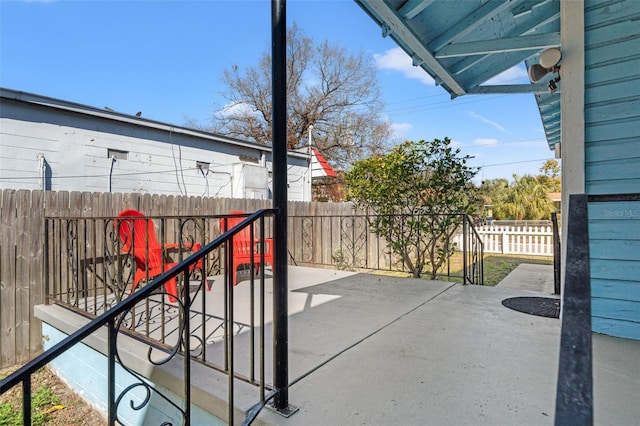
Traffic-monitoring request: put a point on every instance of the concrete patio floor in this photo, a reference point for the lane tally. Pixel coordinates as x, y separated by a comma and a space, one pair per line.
380, 350
368, 349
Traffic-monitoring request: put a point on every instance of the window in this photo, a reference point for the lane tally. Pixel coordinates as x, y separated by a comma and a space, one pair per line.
117, 154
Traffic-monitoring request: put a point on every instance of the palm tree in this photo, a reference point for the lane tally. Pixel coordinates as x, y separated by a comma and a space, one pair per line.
526, 198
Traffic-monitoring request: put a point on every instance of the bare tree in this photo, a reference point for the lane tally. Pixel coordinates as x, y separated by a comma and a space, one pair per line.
335, 92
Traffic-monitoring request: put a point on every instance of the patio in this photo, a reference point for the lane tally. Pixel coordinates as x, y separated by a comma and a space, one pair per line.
372, 349
407, 351
362, 348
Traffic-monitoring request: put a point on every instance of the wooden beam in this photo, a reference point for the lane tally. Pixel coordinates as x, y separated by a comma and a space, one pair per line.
543, 15
408, 39
508, 89
469, 23
412, 8
482, 47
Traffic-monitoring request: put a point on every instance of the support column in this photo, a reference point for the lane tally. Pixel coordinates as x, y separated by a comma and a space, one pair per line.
279, 145
571, 108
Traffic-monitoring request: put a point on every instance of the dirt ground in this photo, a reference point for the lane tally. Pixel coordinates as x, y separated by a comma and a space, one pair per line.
60, 405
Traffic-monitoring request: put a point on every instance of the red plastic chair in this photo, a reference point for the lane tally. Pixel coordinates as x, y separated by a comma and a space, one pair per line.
243, 248
147, 252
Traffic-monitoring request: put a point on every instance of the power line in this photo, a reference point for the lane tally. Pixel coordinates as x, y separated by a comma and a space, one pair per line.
447, 103
418, 98
513, 162
442, 104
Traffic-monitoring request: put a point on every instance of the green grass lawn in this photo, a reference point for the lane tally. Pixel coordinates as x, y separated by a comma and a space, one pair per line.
498, 266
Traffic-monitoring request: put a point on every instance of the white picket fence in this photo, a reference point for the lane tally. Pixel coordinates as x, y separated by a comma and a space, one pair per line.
529, 240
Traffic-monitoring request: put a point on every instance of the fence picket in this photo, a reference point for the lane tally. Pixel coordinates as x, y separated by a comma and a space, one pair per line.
8, 350
36, 268
527, 240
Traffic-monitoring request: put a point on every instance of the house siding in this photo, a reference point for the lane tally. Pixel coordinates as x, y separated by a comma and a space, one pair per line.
160, 158
612, 162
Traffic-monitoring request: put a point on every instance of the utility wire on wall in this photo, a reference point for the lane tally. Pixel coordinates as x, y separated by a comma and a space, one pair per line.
173, 154
168, 171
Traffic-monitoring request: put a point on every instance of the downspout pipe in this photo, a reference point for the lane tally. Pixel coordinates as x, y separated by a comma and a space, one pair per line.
42, 172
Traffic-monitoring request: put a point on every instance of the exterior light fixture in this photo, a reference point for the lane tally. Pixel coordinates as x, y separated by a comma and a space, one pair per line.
549, 61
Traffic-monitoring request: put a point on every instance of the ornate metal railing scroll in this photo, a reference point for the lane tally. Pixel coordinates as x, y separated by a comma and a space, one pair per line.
194, 233
181, 346
72, 258
307, 240
119, 266
182, 330
354, 231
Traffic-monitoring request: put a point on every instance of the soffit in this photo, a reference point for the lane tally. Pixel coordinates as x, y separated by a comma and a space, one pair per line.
462, 44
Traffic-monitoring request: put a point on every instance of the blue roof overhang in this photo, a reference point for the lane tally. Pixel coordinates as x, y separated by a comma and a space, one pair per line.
462, 44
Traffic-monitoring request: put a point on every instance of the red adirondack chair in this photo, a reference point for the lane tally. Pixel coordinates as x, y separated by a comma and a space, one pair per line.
243, 248
147, 252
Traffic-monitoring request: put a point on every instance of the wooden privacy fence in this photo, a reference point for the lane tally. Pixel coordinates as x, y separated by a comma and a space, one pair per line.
331, 235
22, 214
528, 240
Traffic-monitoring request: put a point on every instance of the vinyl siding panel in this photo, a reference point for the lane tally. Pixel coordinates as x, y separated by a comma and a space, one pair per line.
627, 186
614, 246
623, 110
616, 327
612, 289
623, 310
612, 149
625, 168
612, 162
613, 249
603, 93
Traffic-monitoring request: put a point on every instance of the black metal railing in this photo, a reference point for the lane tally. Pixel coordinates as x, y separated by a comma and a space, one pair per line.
171, 327
472, 253
357, 242
557, 254
88, 261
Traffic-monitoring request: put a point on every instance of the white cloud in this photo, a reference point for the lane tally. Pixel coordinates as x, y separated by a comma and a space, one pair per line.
397, 60
509, 76
240, 109
485, 142
489, 122
400, 130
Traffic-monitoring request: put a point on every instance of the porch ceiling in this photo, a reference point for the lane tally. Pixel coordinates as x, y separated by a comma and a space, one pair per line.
463, 44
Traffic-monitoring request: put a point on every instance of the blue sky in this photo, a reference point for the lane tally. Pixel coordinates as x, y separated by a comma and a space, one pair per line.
165, 58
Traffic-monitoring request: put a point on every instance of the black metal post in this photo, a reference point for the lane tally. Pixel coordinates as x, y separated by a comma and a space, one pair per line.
465, 231
229, 365
279, 146
26, 400
187, 346
111, 371
557, 274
